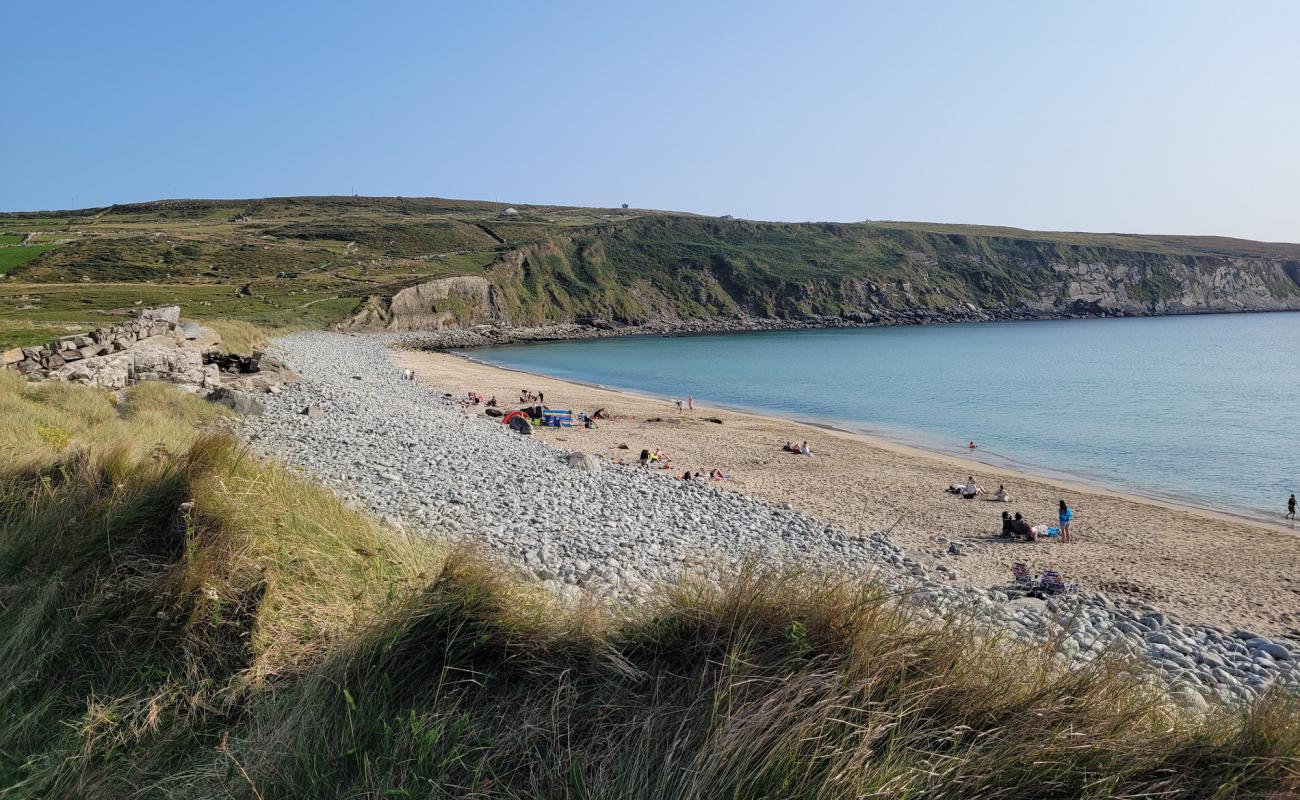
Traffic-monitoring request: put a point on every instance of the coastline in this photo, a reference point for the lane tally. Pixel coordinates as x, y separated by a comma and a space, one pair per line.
1134, 548
499, 335
963, 461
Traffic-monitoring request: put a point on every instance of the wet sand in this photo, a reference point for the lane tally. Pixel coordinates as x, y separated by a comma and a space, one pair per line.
1198, 565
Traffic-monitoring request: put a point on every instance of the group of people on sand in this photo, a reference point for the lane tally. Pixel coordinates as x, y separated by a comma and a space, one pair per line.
476, 399
801, 449
1017, 527
527, 398
689, 403
699, 475
656, 459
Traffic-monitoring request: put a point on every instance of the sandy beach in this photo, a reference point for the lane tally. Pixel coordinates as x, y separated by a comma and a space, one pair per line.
1201, 566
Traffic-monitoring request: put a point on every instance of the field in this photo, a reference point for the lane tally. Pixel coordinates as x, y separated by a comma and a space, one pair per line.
15, 256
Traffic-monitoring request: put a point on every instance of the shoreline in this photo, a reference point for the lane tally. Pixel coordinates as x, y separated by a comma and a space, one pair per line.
1203, 565
491, 335
1065, 480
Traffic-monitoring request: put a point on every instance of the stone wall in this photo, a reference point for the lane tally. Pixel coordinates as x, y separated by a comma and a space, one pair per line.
151, 347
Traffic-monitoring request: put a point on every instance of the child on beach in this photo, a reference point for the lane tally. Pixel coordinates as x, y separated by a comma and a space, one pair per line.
1065, 515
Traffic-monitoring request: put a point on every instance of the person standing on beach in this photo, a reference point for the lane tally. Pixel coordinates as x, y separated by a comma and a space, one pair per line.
690, 403
1290, 510
1065, 516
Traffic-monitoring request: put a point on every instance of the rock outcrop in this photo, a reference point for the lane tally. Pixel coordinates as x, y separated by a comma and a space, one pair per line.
443, 303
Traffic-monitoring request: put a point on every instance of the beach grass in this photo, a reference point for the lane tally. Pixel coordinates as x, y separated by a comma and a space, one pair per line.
180, 619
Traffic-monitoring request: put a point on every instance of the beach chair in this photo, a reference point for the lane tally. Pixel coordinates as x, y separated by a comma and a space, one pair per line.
1023, 579
1054, 583
557, 418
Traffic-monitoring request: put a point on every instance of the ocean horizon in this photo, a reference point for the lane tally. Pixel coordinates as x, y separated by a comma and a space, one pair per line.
1196, 410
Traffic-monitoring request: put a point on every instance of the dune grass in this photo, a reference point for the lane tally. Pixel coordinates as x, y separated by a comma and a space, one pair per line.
181, 620
239, 336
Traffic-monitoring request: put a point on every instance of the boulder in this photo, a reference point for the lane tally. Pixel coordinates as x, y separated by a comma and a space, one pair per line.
200, 336
585, 462
12, 356
237, 401
162, 314
1030, 604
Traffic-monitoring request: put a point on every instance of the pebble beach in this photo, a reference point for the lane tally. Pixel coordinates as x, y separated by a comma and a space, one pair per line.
558, 508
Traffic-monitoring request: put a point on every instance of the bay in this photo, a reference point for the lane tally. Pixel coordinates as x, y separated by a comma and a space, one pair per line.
1198, 409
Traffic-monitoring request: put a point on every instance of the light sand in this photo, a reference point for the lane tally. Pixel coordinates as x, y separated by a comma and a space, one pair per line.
1198, 565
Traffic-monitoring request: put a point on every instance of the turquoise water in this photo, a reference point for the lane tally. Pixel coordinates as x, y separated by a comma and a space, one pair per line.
1202, 409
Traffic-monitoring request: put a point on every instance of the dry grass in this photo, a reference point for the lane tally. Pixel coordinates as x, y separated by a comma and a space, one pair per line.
238, 336
180, 620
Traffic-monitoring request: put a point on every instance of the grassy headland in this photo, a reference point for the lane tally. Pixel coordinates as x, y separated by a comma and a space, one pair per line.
313, 261
179, 619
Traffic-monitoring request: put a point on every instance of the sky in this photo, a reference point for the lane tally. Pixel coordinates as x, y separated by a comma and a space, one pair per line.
1152, 117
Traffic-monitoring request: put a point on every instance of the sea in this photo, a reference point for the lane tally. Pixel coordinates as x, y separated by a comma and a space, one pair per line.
1201, 410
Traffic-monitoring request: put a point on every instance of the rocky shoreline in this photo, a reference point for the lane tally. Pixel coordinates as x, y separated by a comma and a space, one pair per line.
419, 459
463, 338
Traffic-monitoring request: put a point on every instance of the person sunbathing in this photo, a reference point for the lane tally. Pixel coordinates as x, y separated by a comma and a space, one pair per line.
1001, 496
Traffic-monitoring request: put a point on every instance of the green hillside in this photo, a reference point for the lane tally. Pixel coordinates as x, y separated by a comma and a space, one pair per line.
313, 261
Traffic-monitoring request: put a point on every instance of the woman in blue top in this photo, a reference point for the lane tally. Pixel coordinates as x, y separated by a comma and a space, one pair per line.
1065, 515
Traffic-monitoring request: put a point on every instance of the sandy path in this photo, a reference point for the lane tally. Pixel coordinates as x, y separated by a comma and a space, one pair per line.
1200, 566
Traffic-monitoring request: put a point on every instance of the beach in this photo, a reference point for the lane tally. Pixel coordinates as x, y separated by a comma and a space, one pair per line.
1203, 567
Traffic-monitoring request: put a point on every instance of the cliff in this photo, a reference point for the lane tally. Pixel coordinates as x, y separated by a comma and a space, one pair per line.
427, 263
666, 269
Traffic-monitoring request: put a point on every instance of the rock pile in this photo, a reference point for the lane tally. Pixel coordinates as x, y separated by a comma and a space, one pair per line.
151, 347
411, 455
156, 346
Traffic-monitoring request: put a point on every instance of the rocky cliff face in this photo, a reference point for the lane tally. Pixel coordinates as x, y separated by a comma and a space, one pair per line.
1172, 285
678, 270
447, 302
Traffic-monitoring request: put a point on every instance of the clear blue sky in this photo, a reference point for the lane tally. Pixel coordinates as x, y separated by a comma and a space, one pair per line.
1163, 117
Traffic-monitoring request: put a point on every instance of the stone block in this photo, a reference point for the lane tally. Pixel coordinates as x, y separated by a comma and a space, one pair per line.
71, 355
170, 314
12, 356
89, 350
